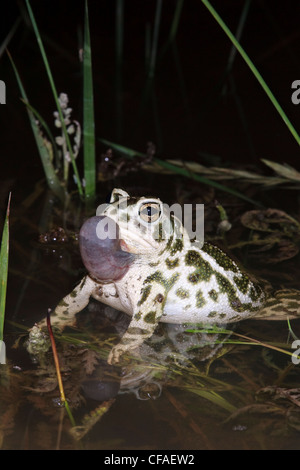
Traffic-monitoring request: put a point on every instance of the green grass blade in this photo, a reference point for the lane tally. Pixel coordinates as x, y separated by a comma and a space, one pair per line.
238, 35
88, 115
253, 69
174, 27
130, 153
55, 95
52, 179
213, 397
147, 46
119, 39
155, 38
176, 19
119, 32
44, 125
10, 35
4, 267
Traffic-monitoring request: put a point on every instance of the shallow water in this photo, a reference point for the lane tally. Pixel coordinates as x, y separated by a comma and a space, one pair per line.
219, 396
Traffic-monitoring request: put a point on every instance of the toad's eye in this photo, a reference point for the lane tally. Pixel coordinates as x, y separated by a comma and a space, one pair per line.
150, 212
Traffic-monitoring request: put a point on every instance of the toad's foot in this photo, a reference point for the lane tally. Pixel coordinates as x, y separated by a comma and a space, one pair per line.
116, 353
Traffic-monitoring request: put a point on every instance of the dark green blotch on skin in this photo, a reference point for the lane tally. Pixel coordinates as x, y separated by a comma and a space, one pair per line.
182, 293
153, 265
82, 283
161, 234
194, 278
242, 283
150, 317
255, 292
158, 277
171, 264
213, 294
138, 315
204, 270
220, 257
177, 246
60, 316
236, 318
168, 245
227, 288
145, 291
193, 258
137, 331
172, 281
237, 305
62, 303
225, 285
212, 314
200, 300
127, 341
222, 315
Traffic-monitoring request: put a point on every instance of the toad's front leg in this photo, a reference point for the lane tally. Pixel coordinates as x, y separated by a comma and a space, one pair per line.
141, 327
77, 300
63, 315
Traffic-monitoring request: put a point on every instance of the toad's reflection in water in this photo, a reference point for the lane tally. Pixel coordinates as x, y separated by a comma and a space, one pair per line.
170, 351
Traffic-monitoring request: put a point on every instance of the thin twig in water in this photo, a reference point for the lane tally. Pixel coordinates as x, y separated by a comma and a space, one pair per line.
184, 413
59, 379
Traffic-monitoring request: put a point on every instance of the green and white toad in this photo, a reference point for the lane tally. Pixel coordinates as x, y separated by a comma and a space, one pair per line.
152, 271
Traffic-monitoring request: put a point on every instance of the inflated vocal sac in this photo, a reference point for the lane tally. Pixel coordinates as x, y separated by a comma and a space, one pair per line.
100, 249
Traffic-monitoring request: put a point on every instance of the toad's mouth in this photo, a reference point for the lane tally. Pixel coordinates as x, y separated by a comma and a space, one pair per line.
132, 243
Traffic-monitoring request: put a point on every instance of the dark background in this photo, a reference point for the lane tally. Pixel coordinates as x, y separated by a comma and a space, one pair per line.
205, 121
